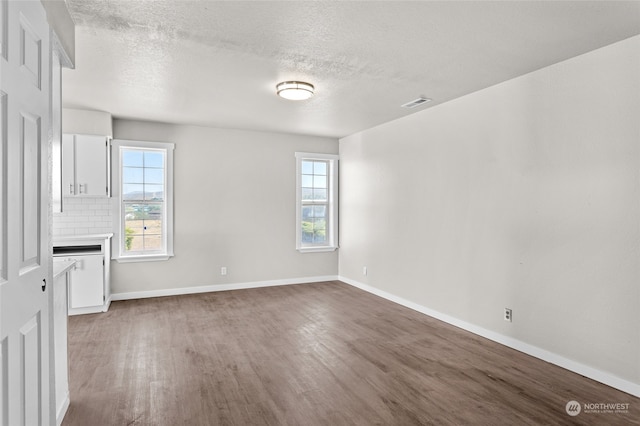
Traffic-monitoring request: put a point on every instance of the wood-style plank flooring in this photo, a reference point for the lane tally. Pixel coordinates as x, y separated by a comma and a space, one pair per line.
310, 354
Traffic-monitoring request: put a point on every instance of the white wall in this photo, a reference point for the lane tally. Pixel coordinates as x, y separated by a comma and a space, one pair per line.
234, 207
524, 195
86, 122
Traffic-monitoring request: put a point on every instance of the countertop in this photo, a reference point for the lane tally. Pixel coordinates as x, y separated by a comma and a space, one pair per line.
66, 238
61, 266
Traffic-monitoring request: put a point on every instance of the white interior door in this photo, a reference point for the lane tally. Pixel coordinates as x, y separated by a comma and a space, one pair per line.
24, 254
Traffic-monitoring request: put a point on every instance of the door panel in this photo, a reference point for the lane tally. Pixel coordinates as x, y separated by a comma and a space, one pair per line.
29, 190
3, 29
30, 52
30, 371
3, 181
4, 389
24, 181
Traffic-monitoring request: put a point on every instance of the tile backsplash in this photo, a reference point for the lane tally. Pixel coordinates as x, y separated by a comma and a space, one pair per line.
82, 216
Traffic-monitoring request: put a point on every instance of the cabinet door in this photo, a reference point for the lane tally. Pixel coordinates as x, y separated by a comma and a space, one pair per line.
91, 162
68, 166
87, 282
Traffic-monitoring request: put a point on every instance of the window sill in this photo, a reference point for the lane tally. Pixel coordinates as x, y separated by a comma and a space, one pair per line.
316, 249
143, 258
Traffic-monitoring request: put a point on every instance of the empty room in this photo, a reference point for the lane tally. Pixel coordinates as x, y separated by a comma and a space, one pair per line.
320, 212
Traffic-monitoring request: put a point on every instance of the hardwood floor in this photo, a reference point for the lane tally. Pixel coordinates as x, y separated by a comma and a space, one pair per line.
310, 354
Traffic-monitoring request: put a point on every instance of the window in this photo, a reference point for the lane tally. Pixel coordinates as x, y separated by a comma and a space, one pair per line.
317, 202
143, 188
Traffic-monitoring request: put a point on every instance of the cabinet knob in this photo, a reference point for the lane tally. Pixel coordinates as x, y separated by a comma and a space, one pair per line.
44, 284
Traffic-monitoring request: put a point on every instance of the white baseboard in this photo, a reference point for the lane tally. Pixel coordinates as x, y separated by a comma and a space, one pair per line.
576, 367
219, 287
87, 310
62, 410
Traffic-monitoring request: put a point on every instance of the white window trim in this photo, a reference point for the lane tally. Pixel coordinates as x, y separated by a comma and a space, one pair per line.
332, 231
116, 175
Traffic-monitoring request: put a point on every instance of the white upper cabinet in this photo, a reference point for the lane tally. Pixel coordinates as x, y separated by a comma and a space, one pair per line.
85, 165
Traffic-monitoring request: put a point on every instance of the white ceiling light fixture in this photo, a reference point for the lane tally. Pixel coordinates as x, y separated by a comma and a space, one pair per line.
295, 90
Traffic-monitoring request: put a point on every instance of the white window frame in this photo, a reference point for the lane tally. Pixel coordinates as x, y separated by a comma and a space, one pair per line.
118, 251
332, 219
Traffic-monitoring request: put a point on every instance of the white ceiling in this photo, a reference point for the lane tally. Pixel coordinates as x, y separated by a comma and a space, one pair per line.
217, 63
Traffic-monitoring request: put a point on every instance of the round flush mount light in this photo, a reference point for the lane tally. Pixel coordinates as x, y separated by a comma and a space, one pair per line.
294, 90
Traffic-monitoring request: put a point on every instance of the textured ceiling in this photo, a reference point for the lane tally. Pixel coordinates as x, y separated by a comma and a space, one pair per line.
217, 63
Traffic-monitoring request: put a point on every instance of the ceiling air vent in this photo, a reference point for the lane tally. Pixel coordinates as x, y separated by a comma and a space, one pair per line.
416, 102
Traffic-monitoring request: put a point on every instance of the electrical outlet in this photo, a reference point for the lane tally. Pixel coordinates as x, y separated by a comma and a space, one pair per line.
364, 271
508, 315
223, 270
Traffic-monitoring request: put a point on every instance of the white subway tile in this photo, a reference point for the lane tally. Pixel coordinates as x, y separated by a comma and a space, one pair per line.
83, 215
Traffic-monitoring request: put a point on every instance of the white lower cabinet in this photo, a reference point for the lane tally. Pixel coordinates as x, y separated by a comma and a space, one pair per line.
89, 287
86, 283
